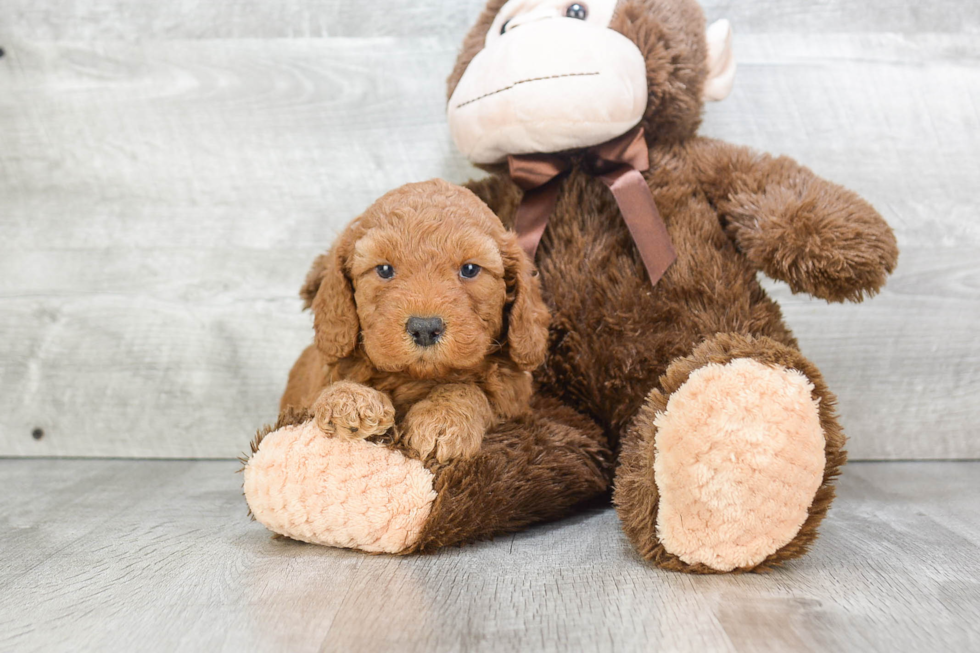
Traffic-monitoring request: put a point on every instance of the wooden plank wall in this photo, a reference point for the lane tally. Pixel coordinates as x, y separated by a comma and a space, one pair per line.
169, 170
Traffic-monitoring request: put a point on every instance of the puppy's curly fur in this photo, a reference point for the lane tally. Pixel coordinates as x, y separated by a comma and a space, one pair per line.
365, 375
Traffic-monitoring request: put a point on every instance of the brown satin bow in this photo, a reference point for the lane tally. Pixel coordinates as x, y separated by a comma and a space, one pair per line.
619, 164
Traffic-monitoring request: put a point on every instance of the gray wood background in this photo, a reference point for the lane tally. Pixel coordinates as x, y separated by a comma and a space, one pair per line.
169, 170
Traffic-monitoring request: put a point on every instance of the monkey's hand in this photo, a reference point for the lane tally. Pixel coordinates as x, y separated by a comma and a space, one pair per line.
449, 423
353, 411
818, 237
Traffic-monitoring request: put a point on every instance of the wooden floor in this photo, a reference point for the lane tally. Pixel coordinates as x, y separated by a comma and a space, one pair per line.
158, 555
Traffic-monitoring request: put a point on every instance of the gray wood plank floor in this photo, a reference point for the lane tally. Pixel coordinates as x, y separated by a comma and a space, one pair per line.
159, 556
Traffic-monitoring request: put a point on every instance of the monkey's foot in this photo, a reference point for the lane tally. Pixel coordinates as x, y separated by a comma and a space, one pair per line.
732, 464
343, 493
739, 458
380, 498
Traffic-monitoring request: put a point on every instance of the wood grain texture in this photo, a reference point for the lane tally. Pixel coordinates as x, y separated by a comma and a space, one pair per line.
70, 20
161, 204
160, 201
158, 555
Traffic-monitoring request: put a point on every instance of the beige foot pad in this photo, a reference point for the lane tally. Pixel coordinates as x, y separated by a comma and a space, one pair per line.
739, 457
349, 494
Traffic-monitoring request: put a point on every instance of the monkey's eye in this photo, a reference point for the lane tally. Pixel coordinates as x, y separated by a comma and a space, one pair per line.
385, 271
576, 10
469, 270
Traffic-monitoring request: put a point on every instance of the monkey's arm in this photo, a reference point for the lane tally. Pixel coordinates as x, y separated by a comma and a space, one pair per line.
818, 237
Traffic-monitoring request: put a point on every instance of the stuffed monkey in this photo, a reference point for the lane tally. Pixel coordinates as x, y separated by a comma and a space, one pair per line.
719, 437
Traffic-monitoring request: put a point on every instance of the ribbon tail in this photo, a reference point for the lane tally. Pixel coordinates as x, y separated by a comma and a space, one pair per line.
643, 220
532, 215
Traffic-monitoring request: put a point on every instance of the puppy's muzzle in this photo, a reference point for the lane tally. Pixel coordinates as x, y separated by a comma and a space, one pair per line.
425, 331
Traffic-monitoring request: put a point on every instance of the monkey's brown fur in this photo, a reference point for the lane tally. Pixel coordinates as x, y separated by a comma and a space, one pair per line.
532, 468
364, 376
618, 347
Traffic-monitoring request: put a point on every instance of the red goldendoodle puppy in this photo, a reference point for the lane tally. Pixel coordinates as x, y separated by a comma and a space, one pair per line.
428, 319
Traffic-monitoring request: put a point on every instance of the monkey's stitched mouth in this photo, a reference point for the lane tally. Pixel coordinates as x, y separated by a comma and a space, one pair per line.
523, 81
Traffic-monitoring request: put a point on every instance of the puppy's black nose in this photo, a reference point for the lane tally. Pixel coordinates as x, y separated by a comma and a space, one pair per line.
425, 331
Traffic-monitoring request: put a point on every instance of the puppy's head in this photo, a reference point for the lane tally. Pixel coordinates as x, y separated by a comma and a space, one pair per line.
427, 280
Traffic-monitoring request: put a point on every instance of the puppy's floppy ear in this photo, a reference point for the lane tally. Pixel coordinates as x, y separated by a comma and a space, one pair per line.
528, 318
329, 292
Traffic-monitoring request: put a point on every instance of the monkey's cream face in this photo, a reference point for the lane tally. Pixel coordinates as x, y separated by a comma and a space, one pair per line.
551, 77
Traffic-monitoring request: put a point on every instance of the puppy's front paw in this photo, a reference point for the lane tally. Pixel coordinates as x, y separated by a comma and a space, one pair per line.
353, 411
431, 428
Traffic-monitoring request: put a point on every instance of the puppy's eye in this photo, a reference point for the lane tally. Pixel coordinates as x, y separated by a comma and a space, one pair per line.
503, 28
385, 271
577, 10
469, 270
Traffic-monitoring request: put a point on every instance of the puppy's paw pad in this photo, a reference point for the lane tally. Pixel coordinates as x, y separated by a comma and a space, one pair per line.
353, 411
437, 432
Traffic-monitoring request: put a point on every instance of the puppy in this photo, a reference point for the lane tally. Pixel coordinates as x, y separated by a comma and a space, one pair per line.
428, 320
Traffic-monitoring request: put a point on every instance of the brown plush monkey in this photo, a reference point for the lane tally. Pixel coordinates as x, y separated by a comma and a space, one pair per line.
725, 437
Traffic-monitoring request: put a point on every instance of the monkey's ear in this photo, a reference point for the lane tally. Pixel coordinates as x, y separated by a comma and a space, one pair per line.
329, 292
721, 62
528, 320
